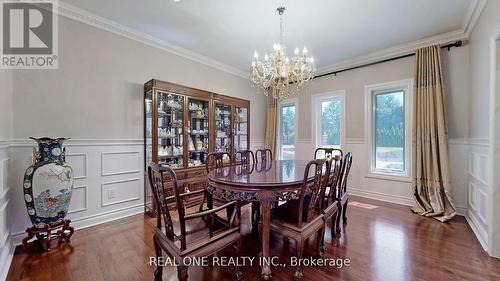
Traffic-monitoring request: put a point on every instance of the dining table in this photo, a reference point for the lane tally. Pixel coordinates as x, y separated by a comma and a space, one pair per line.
266, 182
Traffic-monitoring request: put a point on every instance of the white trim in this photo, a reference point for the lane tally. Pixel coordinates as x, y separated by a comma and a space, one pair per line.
290, 101
492, 227
316, 117
391, 198
86, 166
355, 141
138, 197
407, 86
473, 13
94, 220
86, 199
82, 142
478, 231
86, 17
388, 176
121, 172
475, 9
6, 256
94, 20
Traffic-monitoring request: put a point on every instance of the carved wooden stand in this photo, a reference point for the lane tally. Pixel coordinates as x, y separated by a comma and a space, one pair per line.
44, 236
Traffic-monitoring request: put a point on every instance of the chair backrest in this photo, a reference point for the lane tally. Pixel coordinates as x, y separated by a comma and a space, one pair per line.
215, 160
244, 157
263, 154
332, 178
159, 178
327, 152
311, 190
346, 168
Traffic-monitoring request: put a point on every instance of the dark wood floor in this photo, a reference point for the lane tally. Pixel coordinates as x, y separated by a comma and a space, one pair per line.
383, 241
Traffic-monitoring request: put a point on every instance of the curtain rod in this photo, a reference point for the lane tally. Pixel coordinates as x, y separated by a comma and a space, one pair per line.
447, 46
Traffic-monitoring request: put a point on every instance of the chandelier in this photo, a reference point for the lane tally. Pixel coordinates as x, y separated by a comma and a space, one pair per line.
280, 75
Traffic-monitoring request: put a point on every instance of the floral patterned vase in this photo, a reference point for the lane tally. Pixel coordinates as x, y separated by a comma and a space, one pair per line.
48, 184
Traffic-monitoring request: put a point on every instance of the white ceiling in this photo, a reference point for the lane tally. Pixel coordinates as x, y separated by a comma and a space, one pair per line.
229, 31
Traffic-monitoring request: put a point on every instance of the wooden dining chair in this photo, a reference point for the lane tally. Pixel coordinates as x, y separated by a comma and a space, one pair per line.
263, 154
330, 206
342, 194
192, 235
327, 152
306, 220
244, 157
216, 160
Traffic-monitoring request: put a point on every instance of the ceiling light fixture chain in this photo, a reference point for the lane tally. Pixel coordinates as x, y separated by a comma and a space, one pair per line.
277, 73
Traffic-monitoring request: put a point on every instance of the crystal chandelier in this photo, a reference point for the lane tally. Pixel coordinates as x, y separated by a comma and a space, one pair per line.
280, 75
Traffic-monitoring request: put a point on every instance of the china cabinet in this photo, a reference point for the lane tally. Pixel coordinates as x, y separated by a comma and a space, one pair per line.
182, 125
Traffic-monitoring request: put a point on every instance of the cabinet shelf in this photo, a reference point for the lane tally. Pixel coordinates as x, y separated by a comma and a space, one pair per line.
195, 114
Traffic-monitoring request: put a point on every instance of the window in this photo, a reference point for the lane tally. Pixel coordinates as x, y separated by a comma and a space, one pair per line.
287, 129
389, 127
328, 111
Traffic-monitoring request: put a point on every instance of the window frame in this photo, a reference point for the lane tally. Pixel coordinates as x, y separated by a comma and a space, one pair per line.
316, 101
370, 93
284, 103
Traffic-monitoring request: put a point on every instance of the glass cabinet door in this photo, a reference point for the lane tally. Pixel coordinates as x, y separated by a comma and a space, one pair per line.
148, 149
170, 129
240, 128
223, 128
148, 127
197, 132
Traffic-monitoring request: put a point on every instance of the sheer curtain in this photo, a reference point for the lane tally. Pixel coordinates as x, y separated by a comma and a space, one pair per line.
272, 124
432, 188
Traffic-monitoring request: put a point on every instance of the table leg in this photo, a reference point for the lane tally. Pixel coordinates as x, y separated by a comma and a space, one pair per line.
266, 221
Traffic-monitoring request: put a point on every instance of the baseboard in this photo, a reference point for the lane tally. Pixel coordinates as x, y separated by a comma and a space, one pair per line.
94, 220
478, 231
6, 258
396, 199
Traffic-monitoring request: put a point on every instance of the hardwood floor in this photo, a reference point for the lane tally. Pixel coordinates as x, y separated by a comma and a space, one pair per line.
383, 242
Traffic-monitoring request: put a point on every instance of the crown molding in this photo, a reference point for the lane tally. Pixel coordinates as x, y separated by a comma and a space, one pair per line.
470, 20
471, 17
83, 16
395, 51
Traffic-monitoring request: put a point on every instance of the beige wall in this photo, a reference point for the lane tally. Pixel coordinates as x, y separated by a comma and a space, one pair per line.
6, 93
97, 91
455, 71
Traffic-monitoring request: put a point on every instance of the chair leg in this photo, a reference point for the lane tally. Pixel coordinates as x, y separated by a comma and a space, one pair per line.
332, 225
300, 250
159, 269
255, 213
338, 218
182, 273
320, 242
344, 212
237, 272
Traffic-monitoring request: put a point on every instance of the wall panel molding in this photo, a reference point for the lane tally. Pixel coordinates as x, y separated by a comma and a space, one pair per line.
84, 165
85, 199
122, 161
119, 184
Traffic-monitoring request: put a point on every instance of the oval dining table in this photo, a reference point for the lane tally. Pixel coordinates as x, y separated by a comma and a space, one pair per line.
266, 182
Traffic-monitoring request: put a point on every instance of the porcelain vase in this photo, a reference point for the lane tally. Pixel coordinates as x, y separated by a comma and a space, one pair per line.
48, 184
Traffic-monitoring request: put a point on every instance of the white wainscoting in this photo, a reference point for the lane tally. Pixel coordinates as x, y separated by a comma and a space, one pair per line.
395, 191
109, 182
6, 247
478, 189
